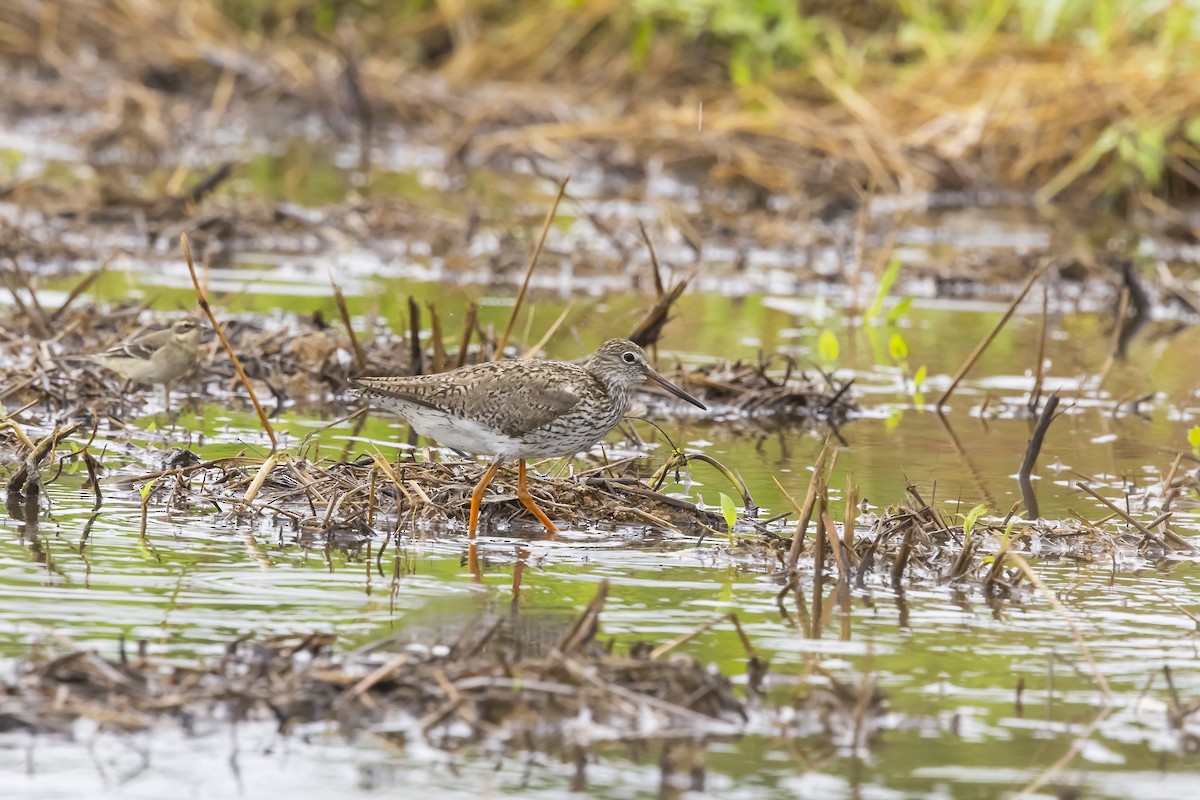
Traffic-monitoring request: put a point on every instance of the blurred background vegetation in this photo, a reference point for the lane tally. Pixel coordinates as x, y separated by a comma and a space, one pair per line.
1096, 100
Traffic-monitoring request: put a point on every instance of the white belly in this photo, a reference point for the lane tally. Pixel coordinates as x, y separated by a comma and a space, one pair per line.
461, 433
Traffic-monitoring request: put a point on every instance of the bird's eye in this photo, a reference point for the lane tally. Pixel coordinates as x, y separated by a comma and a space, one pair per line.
629, 358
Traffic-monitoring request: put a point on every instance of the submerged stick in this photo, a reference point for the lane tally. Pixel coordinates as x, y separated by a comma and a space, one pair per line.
987, 340
202, 299
502, 342
1024, 476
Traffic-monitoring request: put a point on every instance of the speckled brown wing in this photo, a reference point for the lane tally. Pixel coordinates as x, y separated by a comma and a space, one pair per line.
512, 397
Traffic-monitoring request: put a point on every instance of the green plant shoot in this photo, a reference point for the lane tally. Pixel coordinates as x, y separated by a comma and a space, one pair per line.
729, 511
827, 346
886, 282
971, 518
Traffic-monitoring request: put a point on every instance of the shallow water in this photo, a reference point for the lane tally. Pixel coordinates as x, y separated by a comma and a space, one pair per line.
949, 662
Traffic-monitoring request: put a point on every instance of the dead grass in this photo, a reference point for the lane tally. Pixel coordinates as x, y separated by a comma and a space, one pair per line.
986, 108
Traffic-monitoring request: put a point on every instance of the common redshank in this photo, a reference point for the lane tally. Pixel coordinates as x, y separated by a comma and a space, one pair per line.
520, 408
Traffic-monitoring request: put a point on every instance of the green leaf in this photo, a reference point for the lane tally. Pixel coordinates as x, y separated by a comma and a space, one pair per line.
919, 377
1192, 130
643, 39
729, 511
1194, 438
149, 487
897, 347
971, 518
900, 309
885, 285
740, 72
1007, 533
827, 346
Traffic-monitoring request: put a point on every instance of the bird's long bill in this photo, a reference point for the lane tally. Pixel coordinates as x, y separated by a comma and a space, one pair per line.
673, 389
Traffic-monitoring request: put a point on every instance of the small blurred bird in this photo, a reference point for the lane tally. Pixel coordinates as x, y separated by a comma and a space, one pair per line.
158, 357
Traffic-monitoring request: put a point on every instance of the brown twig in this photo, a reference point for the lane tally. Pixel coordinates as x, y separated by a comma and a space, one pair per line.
360, 360
414, 332
805, 511
202, 299
502, 342
469, 321
435, 334
80, 288
987, 340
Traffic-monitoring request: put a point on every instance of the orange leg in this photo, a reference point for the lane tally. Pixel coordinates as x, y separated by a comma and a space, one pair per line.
518, 571
473, 562
527, 499
477, 497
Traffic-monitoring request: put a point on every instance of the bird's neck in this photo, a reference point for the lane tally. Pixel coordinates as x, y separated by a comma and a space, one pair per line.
618, 390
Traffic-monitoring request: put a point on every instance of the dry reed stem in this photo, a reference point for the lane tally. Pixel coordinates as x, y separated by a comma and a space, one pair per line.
435, 334
804, 512
202, 299
987, 340
470, 318
502, 342
259, 476
534, 349
414, 332
683, 638
360, 360
1145, 529
655, 271
81, 287
851, 519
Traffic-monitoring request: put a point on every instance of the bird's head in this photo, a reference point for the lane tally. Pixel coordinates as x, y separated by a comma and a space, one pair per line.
622, 362
186, 332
